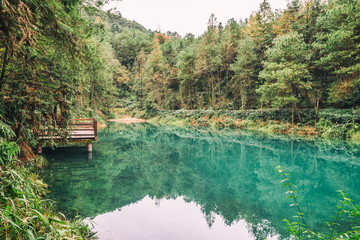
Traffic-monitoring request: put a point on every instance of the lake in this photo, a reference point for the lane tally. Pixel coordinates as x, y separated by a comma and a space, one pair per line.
160, 182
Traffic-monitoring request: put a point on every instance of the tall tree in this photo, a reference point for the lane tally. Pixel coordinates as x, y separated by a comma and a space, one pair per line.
208, 60
38, 42
229, 42
285, 73
341, 42
260, 29
245, 72
186, 65
155, 75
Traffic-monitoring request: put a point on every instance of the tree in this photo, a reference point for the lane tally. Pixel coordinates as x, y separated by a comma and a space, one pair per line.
341, 50
208, 60
244, 69
128, 43
51, 66
229, 41
39, 42
155, 70
285, 73
186, 65
260, 29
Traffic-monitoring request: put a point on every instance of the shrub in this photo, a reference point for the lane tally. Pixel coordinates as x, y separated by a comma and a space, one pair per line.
150, 109
24, 213
300, 229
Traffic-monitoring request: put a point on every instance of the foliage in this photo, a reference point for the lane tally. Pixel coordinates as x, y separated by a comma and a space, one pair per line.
225, 172
24, 212
56, 62
304, 56
300, 229
285, 73
62, 59
341, 49
332, 123
245, 71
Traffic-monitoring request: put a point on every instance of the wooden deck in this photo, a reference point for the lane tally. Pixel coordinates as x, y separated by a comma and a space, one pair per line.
81, 131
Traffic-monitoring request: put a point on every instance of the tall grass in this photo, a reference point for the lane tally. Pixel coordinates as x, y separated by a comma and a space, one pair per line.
300, 229
25, 213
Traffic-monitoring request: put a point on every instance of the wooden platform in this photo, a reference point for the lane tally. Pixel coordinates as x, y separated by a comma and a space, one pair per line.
81, 131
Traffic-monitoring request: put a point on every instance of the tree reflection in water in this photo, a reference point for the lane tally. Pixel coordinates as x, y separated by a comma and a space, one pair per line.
227, 173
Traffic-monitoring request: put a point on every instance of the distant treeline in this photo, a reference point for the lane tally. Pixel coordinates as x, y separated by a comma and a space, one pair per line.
306, 56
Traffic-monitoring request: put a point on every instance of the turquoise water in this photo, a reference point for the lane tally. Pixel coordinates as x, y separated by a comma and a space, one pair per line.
160, 182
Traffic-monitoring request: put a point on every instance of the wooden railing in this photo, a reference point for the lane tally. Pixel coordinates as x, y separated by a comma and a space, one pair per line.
81, 131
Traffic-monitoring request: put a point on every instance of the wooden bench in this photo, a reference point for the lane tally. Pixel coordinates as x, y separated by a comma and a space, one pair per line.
81, 131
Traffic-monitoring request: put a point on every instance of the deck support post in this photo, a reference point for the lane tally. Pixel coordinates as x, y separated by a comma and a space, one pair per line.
39, 148
89, 147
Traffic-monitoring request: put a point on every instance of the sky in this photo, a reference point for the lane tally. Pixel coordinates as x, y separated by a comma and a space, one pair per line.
187, 16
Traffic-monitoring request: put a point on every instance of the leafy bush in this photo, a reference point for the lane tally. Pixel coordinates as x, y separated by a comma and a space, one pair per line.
24, 213
330, 123
340, 116
300, 228
150, 109
8, 152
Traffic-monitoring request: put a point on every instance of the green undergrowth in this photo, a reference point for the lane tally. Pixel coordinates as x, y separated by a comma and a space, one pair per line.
25, 213
301, 228
330, 123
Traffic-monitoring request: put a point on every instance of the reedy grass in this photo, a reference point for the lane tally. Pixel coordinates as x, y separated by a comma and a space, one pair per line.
25, 213
300, 229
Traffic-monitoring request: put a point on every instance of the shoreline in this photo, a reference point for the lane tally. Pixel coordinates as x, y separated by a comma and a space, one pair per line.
126, 119
325, 128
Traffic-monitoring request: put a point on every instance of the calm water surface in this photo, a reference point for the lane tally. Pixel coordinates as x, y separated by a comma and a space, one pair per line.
159, 182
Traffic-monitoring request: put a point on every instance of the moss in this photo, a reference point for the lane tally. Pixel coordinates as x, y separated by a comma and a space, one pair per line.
355, 136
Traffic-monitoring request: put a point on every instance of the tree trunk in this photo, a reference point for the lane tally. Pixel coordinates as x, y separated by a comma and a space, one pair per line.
212, 92
317, 101
297, 111
190, 99
219, 83
5, 60
242, 95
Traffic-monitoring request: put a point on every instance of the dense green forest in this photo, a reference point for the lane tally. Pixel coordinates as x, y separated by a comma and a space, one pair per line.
306, 56
61, 59
69, 58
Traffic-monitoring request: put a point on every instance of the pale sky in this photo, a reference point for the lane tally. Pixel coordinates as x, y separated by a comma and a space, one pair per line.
188, 16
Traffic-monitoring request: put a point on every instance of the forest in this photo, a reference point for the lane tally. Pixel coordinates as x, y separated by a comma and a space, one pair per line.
61, 59
306, 56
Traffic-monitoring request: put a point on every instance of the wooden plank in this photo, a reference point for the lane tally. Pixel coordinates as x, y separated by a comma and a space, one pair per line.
83, 137
75, 141
81, 134
82, 131
90, 137
85, 129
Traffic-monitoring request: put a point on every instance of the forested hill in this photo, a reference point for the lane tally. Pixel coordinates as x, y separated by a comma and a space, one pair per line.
61, 59
305, 56
118, 23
